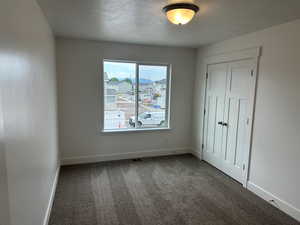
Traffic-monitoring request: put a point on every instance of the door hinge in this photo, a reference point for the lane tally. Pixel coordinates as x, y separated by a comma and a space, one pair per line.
247, 122
206, 75
252, 73
244, 167
204, 112
202, 146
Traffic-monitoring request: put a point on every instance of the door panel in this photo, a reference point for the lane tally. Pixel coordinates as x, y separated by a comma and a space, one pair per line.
241, 132
236, 132
230, 130
211, 119
216, 88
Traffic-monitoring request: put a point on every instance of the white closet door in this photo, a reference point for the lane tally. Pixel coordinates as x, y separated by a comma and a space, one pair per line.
227, 128
237, 128
215, 99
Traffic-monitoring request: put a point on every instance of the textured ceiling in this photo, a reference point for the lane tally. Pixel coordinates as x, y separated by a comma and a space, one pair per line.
142, 21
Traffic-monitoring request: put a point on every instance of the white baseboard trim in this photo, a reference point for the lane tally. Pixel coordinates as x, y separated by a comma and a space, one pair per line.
279, 203
127, 155
197, 153
51, 199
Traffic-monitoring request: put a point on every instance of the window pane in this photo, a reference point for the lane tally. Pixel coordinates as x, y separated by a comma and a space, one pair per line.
152, 96
119, 95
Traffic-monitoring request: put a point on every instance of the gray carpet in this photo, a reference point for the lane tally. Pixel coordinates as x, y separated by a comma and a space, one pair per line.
174, 190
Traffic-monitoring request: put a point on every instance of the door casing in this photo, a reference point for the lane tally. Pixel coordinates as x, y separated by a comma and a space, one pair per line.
246, 54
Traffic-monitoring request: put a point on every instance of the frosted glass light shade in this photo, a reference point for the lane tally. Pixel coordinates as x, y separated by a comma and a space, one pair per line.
180, 16
180, 13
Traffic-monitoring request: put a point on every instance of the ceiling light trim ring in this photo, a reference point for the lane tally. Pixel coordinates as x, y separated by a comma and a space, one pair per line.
191, 6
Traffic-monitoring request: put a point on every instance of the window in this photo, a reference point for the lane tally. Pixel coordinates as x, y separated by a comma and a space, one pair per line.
136, 96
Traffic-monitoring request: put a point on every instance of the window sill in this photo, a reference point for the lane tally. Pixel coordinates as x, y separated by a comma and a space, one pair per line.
136, 130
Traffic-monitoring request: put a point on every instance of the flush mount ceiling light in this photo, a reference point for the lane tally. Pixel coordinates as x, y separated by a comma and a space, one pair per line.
180, 13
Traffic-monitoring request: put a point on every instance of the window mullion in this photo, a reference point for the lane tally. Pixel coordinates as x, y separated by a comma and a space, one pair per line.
168, 100
136, 94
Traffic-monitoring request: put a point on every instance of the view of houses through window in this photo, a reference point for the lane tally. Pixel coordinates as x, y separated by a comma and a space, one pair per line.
122, 101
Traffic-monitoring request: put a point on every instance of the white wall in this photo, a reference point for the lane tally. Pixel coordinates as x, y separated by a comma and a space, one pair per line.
28, 93
275, 155
79, 65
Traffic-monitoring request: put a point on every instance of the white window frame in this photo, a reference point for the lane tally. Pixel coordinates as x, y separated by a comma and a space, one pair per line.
168, 97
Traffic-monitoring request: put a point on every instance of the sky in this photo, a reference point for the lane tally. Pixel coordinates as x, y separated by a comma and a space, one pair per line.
127, 70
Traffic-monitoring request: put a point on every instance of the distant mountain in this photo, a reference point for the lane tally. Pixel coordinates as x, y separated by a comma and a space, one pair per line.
162, 81
147, 81
142, 81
